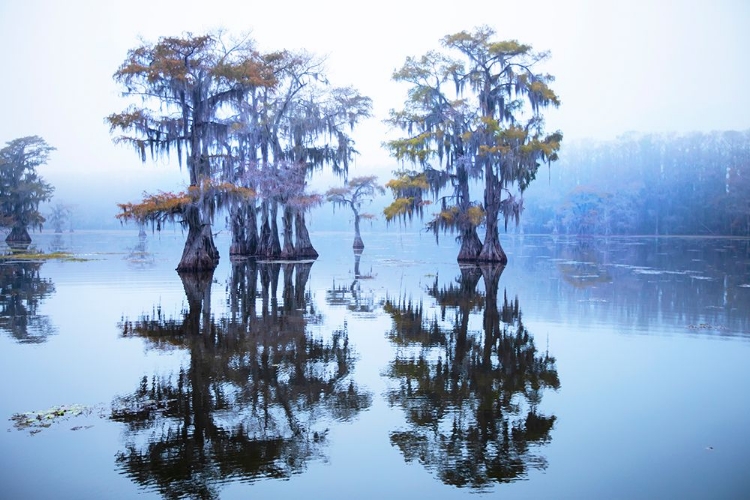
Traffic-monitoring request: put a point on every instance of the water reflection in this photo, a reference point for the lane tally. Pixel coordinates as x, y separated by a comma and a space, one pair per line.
351, 295
645, 284
470, 380
257, 396
22, 290
139, 256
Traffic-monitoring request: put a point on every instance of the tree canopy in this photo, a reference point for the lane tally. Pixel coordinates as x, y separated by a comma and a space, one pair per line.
353, 194
260, 122
473, 112
22, 189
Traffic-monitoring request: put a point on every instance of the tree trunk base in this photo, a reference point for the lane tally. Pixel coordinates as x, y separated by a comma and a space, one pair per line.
471, 245
306, 253
493, 253
358, 243
200, 253
303, 246
18, 236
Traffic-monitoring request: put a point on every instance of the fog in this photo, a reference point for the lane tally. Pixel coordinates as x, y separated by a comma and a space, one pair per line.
619, 66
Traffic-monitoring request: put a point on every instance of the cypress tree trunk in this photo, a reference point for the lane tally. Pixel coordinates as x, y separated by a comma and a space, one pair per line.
274, 249
264, 240
244, 230
288, 251
303, 246
18, 235
471, 245
269, 246
358, 243
492, 251
200, 253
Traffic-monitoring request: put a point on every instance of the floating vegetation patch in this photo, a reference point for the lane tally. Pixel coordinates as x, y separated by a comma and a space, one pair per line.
36, 421
41, 256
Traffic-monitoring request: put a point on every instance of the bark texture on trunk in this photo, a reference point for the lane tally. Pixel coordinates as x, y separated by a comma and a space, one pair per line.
471, 245
287, 218
358, 243
303, 245
274, 249
200, 253
18, 235
244, 231
492, 251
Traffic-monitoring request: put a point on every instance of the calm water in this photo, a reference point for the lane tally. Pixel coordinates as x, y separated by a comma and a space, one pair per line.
584, 369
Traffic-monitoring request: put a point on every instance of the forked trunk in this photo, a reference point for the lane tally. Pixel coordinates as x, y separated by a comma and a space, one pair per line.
200, 253
303, 246
471, 245
18, 235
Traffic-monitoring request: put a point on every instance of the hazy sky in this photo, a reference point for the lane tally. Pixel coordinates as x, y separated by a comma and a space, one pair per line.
620, 65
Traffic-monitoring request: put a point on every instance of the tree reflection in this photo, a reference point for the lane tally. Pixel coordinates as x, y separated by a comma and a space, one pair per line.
257, 396
351, 295
471, 390
22, 290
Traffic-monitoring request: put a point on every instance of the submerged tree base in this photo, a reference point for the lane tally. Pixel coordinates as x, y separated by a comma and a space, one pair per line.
471, 245
492, 251
200, 253
492, 254
18, 235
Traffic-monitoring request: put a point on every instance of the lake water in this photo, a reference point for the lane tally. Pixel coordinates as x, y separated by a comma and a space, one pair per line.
584, 369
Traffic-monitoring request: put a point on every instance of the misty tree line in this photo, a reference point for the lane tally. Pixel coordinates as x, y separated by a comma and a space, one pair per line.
654, 184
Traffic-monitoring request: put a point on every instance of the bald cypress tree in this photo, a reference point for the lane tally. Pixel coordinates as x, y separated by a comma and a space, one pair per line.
22, 189
474, 113
183, 84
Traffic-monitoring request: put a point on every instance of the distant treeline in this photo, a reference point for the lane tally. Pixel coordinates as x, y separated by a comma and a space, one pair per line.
660, 184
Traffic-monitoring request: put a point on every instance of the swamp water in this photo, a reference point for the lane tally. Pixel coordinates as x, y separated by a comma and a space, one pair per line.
583, 369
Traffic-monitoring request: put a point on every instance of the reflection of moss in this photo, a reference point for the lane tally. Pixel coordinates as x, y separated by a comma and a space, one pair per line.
36, 256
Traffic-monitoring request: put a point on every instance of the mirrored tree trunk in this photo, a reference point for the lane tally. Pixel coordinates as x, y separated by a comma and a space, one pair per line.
256, 396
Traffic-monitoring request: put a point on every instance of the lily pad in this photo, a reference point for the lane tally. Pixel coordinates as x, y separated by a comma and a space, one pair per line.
35, 421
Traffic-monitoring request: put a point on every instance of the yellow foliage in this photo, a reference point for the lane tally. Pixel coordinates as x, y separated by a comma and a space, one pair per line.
404, 182
399, 207
475, 214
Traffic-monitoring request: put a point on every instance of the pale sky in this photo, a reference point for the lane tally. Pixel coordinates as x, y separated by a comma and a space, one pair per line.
620, 65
